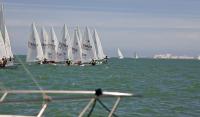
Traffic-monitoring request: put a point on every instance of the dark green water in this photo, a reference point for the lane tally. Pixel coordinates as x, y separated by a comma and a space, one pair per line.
171, 88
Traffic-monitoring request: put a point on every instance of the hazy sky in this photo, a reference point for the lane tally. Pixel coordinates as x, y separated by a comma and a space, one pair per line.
146, 26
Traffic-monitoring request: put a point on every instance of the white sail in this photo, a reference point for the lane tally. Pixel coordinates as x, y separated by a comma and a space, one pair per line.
76, 51
79, 34
63, 46
35, 52
120, 54
9, 53
2, 47
136, 56
88, 47
5, 35
53, 46
45, 43
2, 22
98, 46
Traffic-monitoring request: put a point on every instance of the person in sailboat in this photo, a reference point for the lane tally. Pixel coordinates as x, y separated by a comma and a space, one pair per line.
3, 62
68, 62
78, 63
93, 62
10, 59
105, 59
45, 61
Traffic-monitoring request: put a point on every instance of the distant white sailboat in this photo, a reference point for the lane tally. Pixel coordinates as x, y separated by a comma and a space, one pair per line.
63, 46
98, 46
120, 55
35, 52
136, 56
76, 51
198, 57
88, 47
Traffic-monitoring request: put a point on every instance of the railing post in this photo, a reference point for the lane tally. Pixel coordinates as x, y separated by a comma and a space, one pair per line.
114, 107
3, 97
86, 107
42, 110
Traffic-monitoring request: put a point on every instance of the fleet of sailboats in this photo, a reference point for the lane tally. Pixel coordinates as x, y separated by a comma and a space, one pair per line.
6, 55
46, 48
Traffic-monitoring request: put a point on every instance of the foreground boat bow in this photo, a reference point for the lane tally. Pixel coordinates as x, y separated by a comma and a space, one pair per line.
94, 97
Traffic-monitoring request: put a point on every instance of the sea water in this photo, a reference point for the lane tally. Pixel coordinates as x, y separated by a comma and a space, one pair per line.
170, 88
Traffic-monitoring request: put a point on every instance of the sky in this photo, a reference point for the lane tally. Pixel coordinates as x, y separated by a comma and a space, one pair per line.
147, 27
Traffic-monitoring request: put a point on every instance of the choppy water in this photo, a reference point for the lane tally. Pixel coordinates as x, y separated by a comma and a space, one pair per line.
171, 88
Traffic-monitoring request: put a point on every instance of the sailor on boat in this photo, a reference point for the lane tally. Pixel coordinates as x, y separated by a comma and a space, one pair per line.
68, 62
45, 61
105, 59
78, 63
3, 62
10, 59
93, 62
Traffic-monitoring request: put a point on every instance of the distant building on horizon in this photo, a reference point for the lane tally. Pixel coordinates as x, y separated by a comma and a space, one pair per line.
170, 56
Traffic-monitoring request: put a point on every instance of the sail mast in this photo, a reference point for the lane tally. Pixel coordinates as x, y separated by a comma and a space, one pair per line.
2, 47
45, 42
2, 21
54, 45
79, 34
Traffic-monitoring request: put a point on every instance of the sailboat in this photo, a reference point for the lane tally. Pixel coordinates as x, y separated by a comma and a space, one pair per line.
98, 46
53, 44
136, 56
63, 46
45, 43
198, 57
6, 40
120, 55
35, 52
88, 47
75, 52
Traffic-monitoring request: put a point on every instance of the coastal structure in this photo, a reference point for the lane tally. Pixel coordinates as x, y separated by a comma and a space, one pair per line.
170, 56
